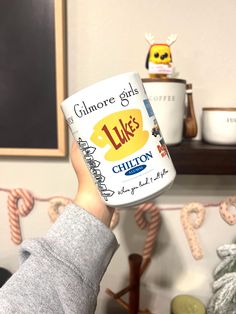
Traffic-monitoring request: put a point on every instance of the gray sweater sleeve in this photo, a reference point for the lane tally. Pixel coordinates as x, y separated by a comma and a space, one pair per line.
61, 272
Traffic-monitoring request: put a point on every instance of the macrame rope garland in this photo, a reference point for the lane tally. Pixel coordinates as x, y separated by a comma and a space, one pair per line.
190, 225
20, 203
225, 212
15, 211
153, 226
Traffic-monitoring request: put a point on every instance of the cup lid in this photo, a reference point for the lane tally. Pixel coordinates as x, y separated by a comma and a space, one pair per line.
165, 80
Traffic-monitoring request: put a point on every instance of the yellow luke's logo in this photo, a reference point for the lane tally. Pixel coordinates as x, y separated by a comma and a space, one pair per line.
122, 131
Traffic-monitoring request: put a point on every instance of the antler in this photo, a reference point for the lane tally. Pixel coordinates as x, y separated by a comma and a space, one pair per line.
150, 38
171, 39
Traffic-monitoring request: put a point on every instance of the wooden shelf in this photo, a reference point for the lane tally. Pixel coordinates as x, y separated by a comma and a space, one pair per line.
197, 157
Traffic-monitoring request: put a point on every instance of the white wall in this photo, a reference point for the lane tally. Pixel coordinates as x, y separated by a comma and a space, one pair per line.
106, 38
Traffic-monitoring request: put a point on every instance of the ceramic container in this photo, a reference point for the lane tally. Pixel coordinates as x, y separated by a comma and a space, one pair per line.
167, 97
119, 136
219, 125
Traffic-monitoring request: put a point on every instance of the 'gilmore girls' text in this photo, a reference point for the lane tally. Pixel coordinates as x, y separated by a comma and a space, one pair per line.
83, 109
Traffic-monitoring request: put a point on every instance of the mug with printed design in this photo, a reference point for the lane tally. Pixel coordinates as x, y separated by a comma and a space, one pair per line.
119, 136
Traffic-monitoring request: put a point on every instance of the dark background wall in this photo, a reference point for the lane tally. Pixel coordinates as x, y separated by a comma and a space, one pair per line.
27, 74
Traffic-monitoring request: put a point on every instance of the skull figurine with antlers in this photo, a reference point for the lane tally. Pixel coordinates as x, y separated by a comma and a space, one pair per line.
159, 59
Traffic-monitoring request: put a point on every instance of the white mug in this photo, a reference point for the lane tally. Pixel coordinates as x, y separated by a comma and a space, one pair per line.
118, 134
168, 99
219, 125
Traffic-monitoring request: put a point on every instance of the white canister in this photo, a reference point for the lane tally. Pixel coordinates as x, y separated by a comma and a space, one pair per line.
167, 97
117, 132
219, 125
